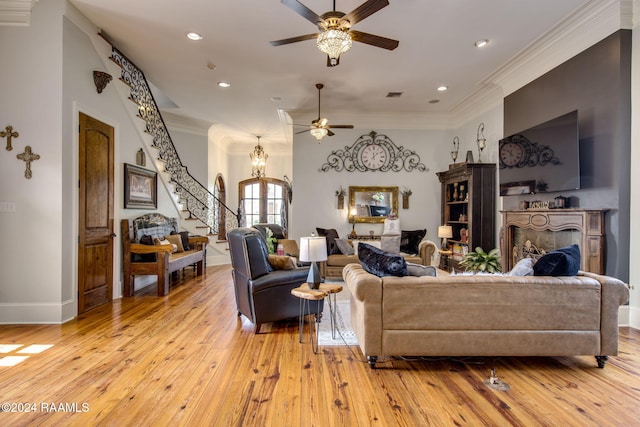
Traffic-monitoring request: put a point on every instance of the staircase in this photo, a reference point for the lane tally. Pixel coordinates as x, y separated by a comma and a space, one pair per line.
201, 208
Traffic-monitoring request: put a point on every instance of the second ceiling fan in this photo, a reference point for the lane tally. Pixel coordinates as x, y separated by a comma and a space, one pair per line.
320, 127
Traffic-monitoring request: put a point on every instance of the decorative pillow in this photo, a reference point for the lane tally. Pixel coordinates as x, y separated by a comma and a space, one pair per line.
281, 262
410, 241
421, 270
331, 234
378, 262
175, 239
390, 244
344, 246
184, 236
560, 262
524, 267
146, 239
159, 242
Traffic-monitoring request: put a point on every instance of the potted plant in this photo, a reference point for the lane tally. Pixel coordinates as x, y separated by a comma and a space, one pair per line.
481, 261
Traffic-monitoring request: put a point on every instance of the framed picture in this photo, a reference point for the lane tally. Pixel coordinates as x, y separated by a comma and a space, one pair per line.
140, 188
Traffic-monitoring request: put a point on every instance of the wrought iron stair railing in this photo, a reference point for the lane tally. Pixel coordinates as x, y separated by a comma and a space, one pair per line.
197, 200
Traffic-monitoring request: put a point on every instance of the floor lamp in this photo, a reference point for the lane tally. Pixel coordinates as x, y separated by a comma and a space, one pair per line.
313, 250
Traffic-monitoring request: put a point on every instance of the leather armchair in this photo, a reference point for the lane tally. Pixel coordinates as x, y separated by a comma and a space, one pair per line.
262, 294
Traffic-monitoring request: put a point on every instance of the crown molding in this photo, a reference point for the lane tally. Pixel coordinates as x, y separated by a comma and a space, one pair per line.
16, 12
589, 25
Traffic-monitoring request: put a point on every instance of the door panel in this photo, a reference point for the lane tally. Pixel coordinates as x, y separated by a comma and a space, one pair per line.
95, 219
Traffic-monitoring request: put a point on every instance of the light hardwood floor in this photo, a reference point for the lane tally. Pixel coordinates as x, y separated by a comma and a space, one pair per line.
188, 359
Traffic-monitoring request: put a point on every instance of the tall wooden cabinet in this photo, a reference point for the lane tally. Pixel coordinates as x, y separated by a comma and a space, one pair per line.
469, 207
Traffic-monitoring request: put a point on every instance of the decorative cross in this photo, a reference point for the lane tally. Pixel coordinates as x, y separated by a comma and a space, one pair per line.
28, 157
9, 134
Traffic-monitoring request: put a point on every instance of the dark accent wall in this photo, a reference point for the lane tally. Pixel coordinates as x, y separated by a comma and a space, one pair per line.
596, 82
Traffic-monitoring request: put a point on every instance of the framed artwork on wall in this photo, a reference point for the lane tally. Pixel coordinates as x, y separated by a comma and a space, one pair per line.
140, 188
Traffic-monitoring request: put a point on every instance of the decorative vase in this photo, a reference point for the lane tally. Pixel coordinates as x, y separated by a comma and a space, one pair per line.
469, 156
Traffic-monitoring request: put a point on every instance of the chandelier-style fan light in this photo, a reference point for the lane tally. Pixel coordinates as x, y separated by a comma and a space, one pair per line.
258, 161
320, 127
336, 35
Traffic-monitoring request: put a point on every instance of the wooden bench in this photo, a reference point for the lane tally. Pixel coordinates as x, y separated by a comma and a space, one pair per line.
158, 260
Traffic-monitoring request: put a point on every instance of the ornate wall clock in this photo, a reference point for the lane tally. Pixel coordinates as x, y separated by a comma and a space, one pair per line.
517, 151
376, 153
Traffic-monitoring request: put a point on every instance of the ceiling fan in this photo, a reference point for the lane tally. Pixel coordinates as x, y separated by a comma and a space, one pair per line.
336, 35
320, 127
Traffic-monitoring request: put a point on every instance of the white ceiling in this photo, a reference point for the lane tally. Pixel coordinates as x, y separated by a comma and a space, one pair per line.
436, 48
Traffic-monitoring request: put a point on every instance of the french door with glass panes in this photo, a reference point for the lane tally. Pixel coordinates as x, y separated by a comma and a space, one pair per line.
263, 201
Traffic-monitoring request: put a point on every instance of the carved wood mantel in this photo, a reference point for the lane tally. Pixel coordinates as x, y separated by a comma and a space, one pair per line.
588, 222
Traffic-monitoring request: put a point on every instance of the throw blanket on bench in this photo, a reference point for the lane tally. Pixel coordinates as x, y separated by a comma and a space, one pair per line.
142, 257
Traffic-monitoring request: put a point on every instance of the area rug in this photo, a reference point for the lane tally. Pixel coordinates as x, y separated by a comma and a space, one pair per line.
344, 333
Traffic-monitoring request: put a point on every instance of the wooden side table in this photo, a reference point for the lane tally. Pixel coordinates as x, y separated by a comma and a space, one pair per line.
306, 295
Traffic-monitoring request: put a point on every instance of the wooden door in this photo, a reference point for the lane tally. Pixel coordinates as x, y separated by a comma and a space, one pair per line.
95, 219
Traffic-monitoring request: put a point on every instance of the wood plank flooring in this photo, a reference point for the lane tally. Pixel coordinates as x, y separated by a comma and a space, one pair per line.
188, 359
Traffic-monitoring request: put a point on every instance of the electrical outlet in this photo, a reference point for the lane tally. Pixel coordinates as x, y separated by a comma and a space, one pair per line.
7, 206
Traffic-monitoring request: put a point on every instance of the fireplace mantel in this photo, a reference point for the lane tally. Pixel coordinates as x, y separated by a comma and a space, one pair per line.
588, 222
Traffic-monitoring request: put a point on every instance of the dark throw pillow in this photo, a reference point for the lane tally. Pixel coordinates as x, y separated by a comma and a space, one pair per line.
331, 234
378, 262
410, 241
560, 262
146, 239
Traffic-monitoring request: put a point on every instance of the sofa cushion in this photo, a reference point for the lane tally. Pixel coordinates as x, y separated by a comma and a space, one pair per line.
344, 246
341, 260
281, 262
560, 262
421, 270
331, 234
381, 263
410, 240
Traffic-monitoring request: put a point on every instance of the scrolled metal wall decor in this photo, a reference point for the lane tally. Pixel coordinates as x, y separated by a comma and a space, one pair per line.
532, 153
373, 152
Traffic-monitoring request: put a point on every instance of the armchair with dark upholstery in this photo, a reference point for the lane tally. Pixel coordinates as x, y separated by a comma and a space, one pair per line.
262, 294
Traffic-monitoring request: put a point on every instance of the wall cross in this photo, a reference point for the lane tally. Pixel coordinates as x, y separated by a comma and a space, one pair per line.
8, 133
28, 157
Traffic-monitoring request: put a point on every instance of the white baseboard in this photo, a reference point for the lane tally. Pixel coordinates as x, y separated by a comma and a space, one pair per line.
633, 316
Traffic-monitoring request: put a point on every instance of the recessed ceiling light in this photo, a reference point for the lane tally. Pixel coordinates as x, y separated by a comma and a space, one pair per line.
194, 36
442, 88
481, 43
276, 99
224, 84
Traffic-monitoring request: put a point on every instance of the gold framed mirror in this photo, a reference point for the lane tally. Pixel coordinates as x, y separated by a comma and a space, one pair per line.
372, 204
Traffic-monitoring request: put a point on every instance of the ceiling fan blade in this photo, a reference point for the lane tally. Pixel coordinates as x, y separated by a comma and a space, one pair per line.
302, 10
340, 126
303, 131
294, 39
374, 40
365, 10
329, 133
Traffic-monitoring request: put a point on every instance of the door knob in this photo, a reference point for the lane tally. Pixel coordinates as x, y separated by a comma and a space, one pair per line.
112, 235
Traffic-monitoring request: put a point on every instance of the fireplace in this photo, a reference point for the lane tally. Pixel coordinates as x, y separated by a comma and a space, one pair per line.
531, 233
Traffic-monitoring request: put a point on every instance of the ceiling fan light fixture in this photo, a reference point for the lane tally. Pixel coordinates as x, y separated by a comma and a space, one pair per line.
334, 42
319, 133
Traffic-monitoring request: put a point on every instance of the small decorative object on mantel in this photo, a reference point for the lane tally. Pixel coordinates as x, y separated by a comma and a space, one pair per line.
481, 141
101, 80
28, 157
456, 146
406, 192
469, 158
141, 158
376, 153
8, 133
341, 192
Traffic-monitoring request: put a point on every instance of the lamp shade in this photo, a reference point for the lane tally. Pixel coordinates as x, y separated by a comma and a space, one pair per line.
445, 232
313, 249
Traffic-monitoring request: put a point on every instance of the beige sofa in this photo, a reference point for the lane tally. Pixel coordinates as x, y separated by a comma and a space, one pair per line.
483, 315
332, 268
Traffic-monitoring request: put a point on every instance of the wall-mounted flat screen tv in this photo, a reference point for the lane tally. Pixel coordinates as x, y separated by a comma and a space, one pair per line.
541, 159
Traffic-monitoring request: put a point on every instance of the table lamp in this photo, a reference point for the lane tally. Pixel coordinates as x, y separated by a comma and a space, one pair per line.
353, 234
313, 249
445, 232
